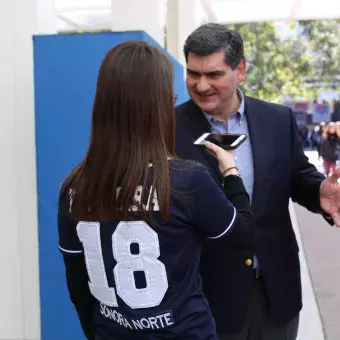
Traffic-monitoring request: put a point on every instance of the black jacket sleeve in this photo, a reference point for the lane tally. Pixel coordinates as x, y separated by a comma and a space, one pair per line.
81, 297
236, 193
221, 216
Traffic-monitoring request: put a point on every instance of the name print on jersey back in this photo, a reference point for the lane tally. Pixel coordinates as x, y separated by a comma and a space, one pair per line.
144, 323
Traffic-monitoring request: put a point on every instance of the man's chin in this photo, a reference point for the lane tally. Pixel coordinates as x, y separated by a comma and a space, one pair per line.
206, 107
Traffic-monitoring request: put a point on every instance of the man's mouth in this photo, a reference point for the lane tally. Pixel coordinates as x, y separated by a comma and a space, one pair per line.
206, 95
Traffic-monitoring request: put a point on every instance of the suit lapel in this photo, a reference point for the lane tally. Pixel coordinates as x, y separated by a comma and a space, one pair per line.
257, 122
198, 125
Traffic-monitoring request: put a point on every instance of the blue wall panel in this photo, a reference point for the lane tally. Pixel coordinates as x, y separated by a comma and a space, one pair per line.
66, 68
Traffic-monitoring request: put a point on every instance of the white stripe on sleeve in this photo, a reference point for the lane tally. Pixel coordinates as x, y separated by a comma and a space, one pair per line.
71, 251
226, 230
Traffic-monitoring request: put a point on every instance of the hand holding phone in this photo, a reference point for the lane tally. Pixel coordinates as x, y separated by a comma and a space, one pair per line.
225, 158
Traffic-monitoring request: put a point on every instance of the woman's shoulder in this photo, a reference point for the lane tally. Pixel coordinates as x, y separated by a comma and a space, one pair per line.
187, 166
186, 173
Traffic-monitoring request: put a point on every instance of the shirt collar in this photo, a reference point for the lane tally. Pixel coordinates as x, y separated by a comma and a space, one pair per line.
240, 110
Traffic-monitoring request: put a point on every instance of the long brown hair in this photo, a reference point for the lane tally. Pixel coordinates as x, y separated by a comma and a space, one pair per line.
133, 125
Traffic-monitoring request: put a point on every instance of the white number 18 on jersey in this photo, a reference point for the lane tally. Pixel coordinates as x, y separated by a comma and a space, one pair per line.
147, 261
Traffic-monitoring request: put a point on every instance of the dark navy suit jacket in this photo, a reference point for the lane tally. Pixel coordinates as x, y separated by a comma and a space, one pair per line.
281, 172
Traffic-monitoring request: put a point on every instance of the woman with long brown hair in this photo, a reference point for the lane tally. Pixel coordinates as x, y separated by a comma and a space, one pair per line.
132, 218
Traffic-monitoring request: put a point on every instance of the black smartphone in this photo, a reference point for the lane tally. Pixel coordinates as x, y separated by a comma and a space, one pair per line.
223, 140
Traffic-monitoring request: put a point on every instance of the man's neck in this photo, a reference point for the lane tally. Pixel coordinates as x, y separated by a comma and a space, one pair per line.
230, 108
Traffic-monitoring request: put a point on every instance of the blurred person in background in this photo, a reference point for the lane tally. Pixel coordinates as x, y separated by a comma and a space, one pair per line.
303, 135
322, 126
254, 294
337, 126
329, 150
317, 137
336, 112
132, 218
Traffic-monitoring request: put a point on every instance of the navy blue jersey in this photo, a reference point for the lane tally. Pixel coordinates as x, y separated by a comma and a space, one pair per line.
146, 278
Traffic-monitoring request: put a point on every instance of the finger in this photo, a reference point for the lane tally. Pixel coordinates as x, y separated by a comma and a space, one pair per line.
213, 147
210, 146
336, 219
335, 175
212, 153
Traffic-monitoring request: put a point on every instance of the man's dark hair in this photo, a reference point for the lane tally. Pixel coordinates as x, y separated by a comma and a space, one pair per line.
211, 38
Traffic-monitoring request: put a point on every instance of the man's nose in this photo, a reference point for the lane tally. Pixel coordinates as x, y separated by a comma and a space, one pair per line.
203, 85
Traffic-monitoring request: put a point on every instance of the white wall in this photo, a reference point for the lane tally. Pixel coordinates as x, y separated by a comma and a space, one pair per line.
19, 285
135, 15
46, 16
183, 17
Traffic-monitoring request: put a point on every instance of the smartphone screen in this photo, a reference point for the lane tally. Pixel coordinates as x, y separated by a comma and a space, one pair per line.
224, 140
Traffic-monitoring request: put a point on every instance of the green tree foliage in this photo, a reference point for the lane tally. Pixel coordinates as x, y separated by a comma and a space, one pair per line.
324, 47
280, 65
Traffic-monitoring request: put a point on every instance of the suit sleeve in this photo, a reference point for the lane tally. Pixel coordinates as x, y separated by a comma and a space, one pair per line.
216, 213
76, 273
306, 180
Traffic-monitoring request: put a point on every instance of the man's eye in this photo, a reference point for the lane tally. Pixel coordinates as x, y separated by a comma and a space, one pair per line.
215, 75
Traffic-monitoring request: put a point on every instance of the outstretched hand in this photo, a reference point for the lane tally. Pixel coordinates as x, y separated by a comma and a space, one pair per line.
330, 196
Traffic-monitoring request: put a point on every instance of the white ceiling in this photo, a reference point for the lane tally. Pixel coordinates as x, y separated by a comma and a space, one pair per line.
262, 10
96, 14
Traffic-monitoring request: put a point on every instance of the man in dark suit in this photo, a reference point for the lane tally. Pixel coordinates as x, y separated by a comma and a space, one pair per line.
254, 292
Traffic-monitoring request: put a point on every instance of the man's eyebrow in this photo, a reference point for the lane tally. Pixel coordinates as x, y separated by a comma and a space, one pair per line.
192, 71
210, 73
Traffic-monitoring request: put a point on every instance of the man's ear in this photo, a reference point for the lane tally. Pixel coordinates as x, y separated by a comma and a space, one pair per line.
241, 71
